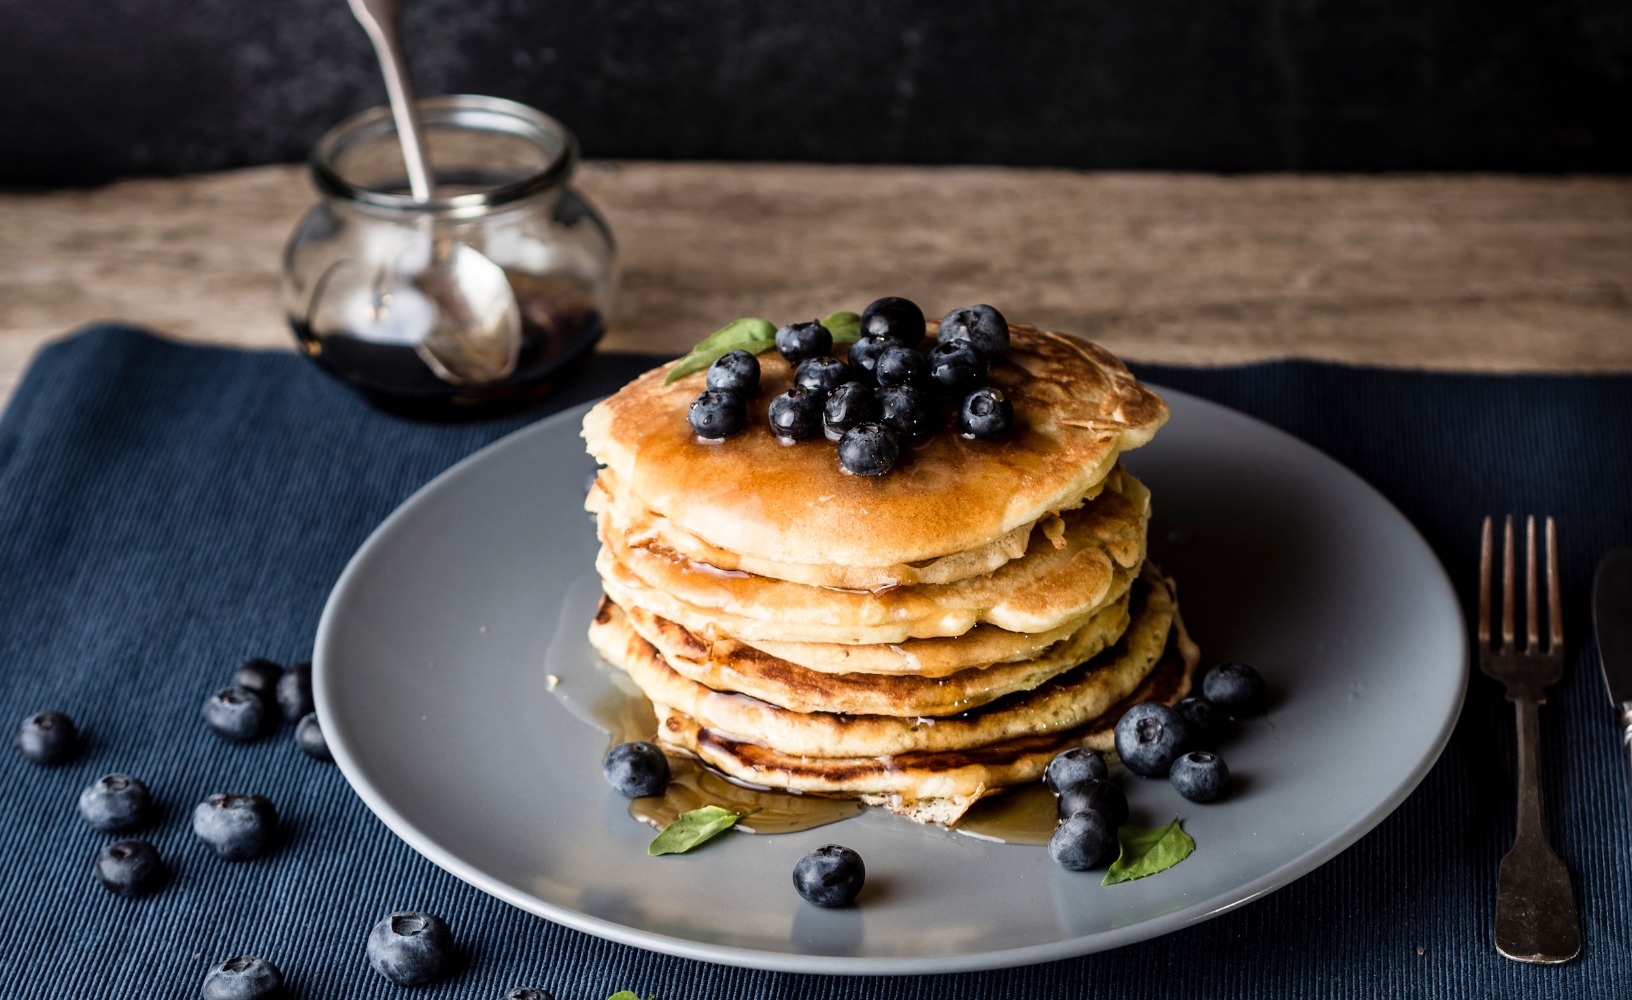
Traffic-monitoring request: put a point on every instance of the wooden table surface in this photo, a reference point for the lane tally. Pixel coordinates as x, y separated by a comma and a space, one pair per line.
1486, 273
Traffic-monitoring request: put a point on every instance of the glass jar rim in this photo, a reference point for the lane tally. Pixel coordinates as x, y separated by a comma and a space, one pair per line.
473, 112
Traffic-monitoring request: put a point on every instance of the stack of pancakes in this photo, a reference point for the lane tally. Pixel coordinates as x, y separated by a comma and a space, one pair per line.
918, 639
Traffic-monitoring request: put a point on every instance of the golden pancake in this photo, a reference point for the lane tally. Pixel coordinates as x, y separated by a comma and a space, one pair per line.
727, 665
1076, 408
1054, 582
929, 787
1061, 703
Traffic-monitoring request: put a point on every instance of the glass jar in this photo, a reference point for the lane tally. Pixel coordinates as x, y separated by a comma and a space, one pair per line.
352, 270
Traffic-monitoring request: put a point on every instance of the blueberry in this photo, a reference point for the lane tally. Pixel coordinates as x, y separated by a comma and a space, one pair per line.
411, 949
895, 317
829, 876
529, 993
822, 374
737, 371
868, 450
1095, 795
309, 738
129, 867
115, 802
986, 413
848, 405
243, 978
898, 365
717, 414
796, 415
982, 327
259, 675
1200, 776
235, 826
908, 411
1073, 766
955, 368
636, 769
1204, 723
295, 691
1082, 841
1148, 737
801, 341
235, 713
1236, 688
48, 738
865, 352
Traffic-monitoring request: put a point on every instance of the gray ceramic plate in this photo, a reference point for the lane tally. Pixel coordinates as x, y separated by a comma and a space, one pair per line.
431, 686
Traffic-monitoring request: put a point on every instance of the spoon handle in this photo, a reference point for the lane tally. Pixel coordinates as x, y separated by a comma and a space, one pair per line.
379, 19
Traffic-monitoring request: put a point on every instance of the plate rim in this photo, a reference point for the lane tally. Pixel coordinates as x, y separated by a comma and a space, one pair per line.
323, 677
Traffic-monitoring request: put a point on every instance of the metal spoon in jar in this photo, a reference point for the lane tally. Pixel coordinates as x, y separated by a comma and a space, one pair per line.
476, 336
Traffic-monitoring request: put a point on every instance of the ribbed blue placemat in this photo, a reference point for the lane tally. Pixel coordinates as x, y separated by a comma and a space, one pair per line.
166, 511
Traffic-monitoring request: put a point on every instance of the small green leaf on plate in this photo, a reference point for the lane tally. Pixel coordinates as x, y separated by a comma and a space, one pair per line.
691, 829
1148, 851
628, 995
749, 334
845, 326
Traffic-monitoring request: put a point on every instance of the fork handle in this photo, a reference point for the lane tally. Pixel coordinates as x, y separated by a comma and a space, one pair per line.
1535, 907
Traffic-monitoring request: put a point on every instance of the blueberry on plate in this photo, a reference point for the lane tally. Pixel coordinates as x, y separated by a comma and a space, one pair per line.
309, 738
235, 713
1073, 766
868, 450
1082, 841
982, 327
129, 868
864, 354
1148, 738
636, 769
986, 413
1236, 688
893, 316
908, 411
796, 415
1204, 722
955, 368
1200, 776
802, 341
235, 826
411, 948
736, 371
848, 405
899, 365
717, 414
115, 802
244, 977
529, 993
259, 675
1095, 795
48, 738
823, 374
295, 691
830, 876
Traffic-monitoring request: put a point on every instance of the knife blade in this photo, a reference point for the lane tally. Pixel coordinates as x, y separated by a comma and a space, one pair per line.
1612, 624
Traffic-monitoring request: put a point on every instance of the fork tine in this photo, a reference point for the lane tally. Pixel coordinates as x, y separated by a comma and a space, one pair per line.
1532, 634
1555, 615
1507, 583
1484, 583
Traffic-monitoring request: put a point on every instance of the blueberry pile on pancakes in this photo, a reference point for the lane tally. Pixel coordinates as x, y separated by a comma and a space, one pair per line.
919, 636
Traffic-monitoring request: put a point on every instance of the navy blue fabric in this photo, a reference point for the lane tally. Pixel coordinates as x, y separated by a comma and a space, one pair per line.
166, 511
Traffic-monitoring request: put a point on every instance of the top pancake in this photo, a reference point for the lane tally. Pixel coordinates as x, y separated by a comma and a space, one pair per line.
1076, 408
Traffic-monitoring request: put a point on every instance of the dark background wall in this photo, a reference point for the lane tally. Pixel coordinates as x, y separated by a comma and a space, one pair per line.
95, 89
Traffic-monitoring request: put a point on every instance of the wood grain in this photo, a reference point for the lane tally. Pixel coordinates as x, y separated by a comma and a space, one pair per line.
1483, 273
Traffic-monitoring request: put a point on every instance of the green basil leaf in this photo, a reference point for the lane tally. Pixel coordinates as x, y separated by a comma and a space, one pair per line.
691, 829
749, 334
1146, 852
628, 995
845, 326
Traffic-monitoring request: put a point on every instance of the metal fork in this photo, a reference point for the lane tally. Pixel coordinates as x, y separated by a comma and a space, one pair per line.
1535, 908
